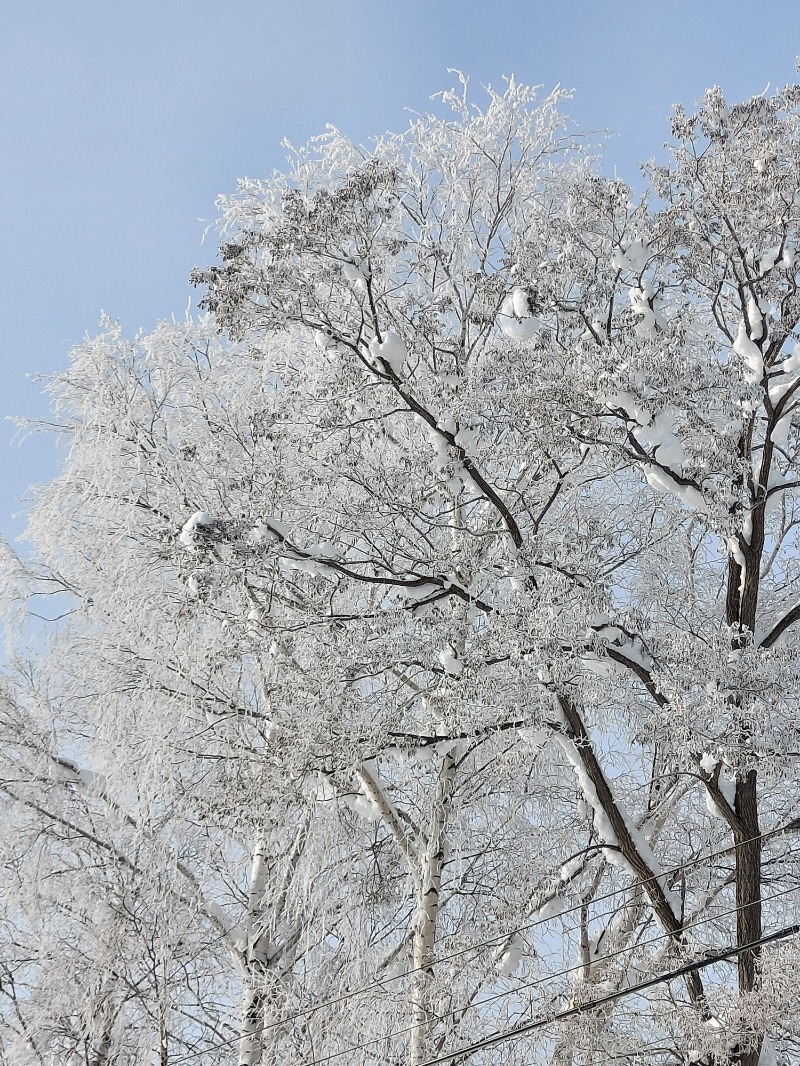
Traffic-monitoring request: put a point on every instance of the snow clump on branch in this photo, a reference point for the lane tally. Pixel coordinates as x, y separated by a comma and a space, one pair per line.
200, 530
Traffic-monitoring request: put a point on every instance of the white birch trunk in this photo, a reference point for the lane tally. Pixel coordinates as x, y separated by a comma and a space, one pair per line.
257, 960
427, 913
258, 1034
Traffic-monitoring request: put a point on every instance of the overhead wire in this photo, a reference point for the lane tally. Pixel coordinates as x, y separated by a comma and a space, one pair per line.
379, 984
546, 979
612, 997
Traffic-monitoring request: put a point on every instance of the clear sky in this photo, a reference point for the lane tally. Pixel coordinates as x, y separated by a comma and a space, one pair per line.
121, 121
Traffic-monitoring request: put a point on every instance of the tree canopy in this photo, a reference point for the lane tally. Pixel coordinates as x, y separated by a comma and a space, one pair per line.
418, 679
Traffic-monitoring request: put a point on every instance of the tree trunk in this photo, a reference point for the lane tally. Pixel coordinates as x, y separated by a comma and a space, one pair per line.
640, 865
257, 960
746, 830
427, 914
748, 895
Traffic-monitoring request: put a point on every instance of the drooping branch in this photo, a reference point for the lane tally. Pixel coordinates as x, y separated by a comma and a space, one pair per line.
632, 850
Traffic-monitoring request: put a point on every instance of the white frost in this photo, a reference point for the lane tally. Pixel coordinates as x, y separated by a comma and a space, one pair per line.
727, 787
780, 434
661, 437
392, 350
516, 319
364, 806
467, 439
631, 255
748, 351
755, 320
627, 402
451, 663
661, 481
325, 550
550, 909
537, 738
642, 305
355, 275
189, 533
324, 340
261, 534
198, 582
792, 362
308, 566
708, 762
509, 960
421, 592
441, 450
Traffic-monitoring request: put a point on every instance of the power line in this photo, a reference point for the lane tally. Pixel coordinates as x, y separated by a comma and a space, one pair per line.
488, 942
612, 997
548, 978
520, 988
628, 950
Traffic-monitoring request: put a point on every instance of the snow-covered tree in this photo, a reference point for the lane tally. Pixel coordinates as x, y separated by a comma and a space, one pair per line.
422, 686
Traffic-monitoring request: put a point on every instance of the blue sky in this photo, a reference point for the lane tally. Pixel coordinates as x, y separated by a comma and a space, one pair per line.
121, 121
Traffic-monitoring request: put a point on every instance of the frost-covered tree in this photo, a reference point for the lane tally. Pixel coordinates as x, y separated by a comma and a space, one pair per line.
423, 684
